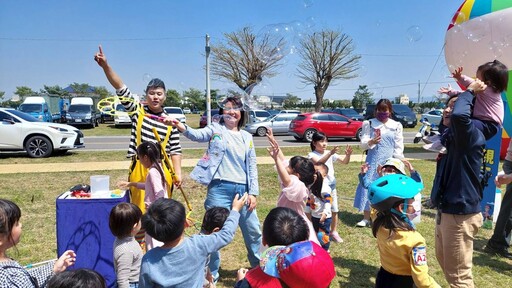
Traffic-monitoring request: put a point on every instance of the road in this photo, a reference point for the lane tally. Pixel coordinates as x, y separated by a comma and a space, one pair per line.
109, 143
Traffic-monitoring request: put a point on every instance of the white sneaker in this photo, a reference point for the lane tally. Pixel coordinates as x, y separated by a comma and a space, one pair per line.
435, 147
363, 223
431, 139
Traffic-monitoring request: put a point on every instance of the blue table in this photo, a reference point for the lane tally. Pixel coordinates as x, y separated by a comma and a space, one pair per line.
82, 226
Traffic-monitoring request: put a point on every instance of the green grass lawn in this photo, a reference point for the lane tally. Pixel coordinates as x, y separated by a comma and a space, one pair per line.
356, 260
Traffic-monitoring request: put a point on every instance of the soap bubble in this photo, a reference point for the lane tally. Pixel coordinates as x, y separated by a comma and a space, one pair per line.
230, 90
414, 33
259, 95
146, 78
274, 42
307, 3
476, 29
377, 89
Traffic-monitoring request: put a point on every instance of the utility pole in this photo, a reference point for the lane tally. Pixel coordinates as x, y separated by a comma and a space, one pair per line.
419, 93
208, 100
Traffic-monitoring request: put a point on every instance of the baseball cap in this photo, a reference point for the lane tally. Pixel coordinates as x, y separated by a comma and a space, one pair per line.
397, 163
301, 264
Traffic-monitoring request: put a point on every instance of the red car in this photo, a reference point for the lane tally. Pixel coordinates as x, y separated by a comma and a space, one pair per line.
202, 120
331, 124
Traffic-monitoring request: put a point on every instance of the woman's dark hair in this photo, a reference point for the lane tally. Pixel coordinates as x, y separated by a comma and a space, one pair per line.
317, 136
390, 221
154, 152
383, 104
284, 226
77, 279
237, 102
214, 218
10, 214
122, 218
155, 83
494, 74
306, 170
164, 220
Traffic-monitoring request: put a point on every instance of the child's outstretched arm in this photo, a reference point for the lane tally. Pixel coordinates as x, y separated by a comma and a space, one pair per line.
326, 157
126, 185
348, 152
273, 143
274, 151
414, 174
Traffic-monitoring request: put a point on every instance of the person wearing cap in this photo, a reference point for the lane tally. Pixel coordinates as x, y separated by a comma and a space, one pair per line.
299, 265
457, 189
402, 249
228, 168
390, 166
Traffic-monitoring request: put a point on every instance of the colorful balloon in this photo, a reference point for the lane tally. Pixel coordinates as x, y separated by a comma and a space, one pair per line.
478, 33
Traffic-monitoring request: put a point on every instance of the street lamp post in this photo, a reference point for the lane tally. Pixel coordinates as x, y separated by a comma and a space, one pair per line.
208, 100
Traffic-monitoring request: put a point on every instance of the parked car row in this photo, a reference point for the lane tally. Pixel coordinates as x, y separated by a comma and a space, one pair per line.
20, 131
401, 113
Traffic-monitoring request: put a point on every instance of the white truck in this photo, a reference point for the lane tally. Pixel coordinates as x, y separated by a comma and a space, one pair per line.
82, 111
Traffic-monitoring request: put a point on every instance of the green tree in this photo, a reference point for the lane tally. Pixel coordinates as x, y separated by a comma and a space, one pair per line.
290, 101
102, 92
362, 97
80, 89
327, 56
54, 90
173, 98
196, 99
238, 58
24, 91
2, 93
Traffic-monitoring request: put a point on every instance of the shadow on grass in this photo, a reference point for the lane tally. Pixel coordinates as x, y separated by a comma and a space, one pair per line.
349, 218
359, 274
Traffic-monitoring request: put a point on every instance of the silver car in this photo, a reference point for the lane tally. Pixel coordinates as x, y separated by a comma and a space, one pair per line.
279, 124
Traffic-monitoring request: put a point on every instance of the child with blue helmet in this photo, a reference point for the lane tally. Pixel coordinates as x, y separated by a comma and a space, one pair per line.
402, 249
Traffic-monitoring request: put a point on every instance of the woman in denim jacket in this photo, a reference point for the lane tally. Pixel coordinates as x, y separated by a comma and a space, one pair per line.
228, 168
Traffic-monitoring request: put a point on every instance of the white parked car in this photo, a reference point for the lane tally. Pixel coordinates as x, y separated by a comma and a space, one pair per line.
258, 115
279, 124
187, 110
20, 131
176, 113
433, 116
121, 117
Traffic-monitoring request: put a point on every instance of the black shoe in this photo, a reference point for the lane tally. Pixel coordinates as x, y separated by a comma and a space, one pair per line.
502, 252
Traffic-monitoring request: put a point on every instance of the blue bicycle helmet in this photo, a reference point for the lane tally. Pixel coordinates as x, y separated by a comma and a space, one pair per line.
385, 191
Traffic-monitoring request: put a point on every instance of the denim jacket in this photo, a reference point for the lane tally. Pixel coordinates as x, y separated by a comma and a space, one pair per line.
209, 163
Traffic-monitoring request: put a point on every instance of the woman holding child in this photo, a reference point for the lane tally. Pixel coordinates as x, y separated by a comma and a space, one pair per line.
228, 168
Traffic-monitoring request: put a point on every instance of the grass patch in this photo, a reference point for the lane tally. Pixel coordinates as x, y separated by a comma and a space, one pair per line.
356, 260
79, 156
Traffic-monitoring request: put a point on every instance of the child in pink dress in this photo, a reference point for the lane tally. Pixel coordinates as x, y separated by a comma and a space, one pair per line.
155, 187
296, 178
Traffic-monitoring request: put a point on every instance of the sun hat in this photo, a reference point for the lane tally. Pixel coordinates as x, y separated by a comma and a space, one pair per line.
301, 264
385, 191
397, 163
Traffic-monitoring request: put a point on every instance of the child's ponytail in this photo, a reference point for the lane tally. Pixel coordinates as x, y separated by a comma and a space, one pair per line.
316, 187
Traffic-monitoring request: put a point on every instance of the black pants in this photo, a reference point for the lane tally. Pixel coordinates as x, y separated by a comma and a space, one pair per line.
388, 280
504, 222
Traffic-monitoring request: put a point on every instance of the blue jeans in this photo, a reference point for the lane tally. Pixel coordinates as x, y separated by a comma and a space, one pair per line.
221, 194
134, 285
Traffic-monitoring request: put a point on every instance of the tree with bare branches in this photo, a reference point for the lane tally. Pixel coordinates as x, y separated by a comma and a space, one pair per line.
245, 59
327, 56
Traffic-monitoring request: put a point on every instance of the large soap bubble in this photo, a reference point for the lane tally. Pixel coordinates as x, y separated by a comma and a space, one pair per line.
259, 95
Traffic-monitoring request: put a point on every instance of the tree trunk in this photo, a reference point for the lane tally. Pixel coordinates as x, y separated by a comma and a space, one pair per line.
319, 93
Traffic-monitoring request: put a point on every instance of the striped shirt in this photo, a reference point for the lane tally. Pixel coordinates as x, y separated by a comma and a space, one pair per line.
172, 146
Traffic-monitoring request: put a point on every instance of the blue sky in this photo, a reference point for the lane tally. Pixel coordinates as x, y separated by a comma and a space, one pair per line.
53, 42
